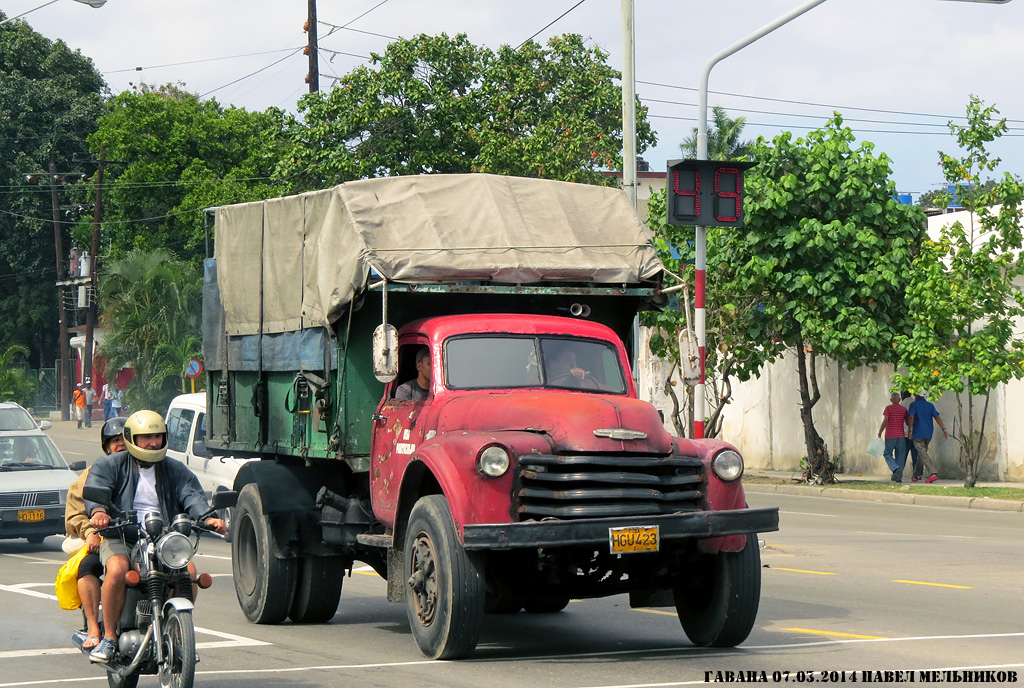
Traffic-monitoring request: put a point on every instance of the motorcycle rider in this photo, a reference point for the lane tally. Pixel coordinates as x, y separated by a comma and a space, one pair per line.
144, 480
80, 531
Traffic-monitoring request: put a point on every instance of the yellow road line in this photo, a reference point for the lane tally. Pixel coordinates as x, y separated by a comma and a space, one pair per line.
835, 634
818, 573
654, 611
936, 585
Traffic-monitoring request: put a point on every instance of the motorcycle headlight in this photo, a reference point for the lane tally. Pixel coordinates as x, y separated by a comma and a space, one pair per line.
728, 465
493, 461
174, 550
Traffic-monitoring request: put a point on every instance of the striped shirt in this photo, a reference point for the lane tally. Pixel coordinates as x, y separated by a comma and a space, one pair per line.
895, 415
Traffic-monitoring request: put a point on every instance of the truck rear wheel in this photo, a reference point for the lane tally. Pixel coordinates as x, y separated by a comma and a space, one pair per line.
317, 589
717, 603
446, 592
264, 584
545, 605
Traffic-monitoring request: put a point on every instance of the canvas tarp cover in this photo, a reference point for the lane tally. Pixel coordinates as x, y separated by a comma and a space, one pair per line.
299, 260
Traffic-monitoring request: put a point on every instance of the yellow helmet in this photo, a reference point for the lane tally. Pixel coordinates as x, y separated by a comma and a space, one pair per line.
145, 423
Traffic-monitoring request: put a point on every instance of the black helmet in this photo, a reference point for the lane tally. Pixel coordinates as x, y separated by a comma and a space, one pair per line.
111, 429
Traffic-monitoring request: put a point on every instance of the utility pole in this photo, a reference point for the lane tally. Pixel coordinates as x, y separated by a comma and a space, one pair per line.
313, 78
65, 347
90, 314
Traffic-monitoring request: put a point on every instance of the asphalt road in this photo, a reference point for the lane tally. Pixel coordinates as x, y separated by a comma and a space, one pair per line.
848, 587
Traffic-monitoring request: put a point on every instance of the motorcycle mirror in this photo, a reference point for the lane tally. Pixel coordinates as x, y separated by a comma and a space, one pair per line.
100, 495
224, 499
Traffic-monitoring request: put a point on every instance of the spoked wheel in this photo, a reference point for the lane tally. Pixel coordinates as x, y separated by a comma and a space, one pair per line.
445, 596
179, 670
264, 584
717, 603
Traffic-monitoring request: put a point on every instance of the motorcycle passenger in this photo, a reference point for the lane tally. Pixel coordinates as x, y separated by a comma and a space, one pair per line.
140, 479
80, 531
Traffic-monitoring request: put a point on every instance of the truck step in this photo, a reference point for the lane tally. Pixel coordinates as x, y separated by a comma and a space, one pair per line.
374, 540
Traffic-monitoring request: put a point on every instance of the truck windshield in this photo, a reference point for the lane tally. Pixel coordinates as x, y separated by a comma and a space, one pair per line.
515, 362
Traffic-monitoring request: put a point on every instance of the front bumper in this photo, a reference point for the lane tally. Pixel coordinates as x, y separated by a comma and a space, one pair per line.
52, 524
594, 531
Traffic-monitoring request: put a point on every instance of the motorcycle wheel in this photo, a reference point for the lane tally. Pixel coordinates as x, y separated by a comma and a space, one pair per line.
179, 639
115, 681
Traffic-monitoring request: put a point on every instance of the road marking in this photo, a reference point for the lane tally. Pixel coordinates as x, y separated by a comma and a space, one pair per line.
214, 556
817, 573
654, 611
937, 585
31, 593
34, 560
835, 634
808, 513
230, 640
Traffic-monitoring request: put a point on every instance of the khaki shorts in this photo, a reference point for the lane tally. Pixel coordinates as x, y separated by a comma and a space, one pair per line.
110, 547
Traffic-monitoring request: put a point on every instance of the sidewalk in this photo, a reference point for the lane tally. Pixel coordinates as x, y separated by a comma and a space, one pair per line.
900, 494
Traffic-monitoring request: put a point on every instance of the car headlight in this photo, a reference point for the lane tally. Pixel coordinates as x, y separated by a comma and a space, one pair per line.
174, 550
493, 461
63, 497
728, 465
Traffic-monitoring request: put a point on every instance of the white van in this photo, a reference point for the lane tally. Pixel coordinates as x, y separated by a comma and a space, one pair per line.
186, 442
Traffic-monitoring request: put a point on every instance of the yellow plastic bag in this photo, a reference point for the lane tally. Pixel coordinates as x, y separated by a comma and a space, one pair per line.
67, 581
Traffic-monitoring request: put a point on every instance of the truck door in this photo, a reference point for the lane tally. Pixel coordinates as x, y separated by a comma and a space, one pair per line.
397, 428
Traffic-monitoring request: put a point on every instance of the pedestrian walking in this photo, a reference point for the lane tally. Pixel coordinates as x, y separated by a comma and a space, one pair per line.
116, 401
922, 417
90, 400
906, 399
893, 425
78, 399
106, 398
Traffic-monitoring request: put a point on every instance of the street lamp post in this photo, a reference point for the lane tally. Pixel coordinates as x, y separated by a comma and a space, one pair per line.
90, 3
700, 238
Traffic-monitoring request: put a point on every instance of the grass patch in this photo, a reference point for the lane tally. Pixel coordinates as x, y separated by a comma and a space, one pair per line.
1011, 493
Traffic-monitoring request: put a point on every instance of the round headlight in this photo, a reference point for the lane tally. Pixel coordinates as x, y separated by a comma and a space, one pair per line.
493, 461
175, 550
728, 465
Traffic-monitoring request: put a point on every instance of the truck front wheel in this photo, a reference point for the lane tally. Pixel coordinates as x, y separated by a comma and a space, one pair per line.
445, 595
717, 601
264, 584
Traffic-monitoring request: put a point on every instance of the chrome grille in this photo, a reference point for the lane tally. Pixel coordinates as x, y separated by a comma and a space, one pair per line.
23, 500
595, 486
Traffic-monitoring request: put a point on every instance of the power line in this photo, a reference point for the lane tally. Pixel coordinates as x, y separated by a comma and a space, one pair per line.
294, 52
208, 59
550, 23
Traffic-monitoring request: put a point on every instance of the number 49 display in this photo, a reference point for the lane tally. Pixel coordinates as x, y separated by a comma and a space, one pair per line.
708, 193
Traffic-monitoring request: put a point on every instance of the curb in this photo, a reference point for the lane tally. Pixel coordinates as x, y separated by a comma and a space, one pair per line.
984, 503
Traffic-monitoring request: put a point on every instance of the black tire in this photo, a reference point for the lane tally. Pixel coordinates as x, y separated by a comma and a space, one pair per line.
36, 539
115, 681
545, 605
445, 597
503, 604
179, 639
317, 589
717, 603
264, 584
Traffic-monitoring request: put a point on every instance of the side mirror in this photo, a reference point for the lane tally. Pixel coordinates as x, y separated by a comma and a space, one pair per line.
224, 499
77, 466
45, 425
100, 495
385, 353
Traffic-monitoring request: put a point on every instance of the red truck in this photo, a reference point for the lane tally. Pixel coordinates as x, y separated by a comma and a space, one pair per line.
489, 456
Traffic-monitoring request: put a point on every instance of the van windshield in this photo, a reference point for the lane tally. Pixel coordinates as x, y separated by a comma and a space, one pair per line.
508, 361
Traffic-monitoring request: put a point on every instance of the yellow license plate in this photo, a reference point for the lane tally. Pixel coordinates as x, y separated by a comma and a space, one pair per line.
31, 515
634, 539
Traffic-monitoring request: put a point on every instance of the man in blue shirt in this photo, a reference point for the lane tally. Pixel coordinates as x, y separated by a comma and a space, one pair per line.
919, 417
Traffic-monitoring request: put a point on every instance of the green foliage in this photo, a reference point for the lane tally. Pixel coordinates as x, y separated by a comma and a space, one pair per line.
151, 310
940, 198
435, 104
723, 138
14, 384
173, 155
821, 266
49, 101
962, 297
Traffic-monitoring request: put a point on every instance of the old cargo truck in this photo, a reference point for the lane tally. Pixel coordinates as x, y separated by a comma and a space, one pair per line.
517, 469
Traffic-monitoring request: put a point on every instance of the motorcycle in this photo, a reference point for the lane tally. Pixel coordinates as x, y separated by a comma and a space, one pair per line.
156, 634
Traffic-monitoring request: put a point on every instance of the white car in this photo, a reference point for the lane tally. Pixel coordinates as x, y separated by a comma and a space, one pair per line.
34, 478
186, 442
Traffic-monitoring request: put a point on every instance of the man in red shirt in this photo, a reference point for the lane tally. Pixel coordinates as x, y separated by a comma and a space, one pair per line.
895, 453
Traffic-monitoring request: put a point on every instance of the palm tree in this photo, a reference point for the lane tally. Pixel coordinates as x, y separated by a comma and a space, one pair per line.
723, 138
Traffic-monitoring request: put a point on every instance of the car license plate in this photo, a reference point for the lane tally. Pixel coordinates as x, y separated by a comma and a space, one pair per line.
31, 515
634, 539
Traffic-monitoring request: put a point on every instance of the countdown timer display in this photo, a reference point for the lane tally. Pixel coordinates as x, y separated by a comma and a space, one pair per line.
708, 193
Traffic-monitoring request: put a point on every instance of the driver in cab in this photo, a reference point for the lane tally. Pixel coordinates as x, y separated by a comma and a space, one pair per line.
143, 480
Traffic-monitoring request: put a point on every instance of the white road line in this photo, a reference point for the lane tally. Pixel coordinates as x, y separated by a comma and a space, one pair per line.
213, 556
35, 560
807, 513
30, 593
230, 640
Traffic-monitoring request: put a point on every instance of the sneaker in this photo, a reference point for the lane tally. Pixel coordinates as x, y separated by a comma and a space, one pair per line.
913, 480
104, 652
932, 478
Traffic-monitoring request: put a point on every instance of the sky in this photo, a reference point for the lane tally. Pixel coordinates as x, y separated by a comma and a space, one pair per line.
898, 70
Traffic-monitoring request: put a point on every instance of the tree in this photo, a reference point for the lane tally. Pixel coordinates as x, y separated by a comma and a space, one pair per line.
821, 266
723, 138
962, 297
14, 384
49, 101
940, 198
151, 310
435, 104
173, 155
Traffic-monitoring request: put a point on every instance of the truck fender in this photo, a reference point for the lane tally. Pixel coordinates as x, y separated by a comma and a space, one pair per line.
431, 471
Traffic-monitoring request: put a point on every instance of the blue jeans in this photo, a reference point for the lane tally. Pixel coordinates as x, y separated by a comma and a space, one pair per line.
895, 455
